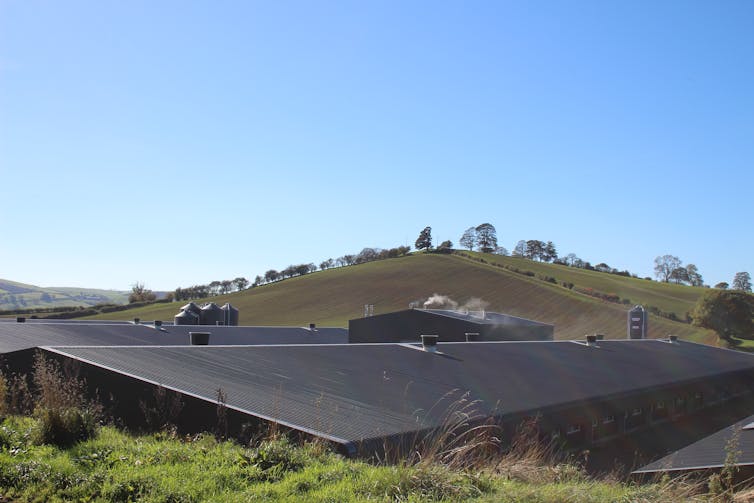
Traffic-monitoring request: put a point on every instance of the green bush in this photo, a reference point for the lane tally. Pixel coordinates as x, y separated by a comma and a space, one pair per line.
64, 427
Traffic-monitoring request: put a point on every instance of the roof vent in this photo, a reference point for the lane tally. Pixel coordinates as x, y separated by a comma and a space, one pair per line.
157, 323
591, 340
673, 339
312, 326
20, 319
600, 337
429, 343
199, 338
472, 336
136, 321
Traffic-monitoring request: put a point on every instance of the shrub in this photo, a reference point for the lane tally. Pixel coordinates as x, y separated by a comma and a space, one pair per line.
64, 427
63, 412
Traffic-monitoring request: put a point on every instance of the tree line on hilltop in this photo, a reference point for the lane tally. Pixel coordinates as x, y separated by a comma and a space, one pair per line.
292, 271
483, 238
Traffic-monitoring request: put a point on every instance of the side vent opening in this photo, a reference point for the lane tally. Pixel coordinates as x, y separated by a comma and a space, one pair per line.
199, 338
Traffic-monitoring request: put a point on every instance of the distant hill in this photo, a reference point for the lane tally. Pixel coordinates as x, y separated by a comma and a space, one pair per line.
334, 296
14, 295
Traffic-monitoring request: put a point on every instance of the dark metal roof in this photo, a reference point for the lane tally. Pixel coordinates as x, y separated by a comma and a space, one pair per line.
485, 317
17, 336
710, 452
362, 391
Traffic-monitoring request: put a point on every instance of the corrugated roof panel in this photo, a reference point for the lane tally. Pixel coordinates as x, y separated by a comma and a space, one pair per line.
17, 336
362, 391
710, 452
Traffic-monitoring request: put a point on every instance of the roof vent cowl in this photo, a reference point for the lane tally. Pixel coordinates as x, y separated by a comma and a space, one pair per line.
591, 340
429, 343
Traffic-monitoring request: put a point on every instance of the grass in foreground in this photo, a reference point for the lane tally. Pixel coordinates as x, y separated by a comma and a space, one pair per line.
116, 466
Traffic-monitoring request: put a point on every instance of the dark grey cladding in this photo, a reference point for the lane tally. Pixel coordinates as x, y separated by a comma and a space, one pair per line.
450, 326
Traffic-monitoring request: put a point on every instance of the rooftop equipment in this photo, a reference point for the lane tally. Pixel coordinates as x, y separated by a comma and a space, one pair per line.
429, 343
637, 323
591, 340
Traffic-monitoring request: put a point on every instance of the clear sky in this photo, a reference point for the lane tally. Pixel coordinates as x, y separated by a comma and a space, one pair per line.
176, 143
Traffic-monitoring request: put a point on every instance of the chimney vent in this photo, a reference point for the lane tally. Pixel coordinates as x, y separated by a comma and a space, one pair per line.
157, 323
673, 339
429, 343
312, 326
591, 340
472, 336
20, 319
136, 321
199, 338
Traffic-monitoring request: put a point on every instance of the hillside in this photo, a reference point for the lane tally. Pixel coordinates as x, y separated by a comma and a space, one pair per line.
14, 295
334, 296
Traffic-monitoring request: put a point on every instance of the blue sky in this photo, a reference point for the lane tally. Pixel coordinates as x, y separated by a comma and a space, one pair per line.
175, 143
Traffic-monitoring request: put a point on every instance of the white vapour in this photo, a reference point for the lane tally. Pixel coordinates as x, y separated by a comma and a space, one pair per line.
474, 304
437, 301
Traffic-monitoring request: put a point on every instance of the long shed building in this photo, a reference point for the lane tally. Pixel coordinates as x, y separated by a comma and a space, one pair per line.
364, 396
448, 325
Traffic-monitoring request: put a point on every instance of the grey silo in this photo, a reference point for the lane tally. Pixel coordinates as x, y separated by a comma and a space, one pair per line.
193, 308
186, 317
230, 314
212, 315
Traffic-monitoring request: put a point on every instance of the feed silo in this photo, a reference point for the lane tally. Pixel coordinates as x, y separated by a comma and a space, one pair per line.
212, 315
186, 317
191, 307
230, 315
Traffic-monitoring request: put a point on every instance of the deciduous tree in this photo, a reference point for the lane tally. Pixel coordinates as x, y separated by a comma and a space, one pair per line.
742, 281
240, 283
729, 313
694, 277
468, 240
520, 249
486, 238
665, 265
140, 293
424, 241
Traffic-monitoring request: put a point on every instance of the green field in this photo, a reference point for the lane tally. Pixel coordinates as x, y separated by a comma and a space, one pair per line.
668, 297
332, 297
14, 295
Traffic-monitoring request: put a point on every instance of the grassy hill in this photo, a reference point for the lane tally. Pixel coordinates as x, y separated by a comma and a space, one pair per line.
14, 295
334, 296
668, 297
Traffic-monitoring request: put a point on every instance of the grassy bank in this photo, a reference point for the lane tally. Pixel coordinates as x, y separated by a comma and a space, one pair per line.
161, 467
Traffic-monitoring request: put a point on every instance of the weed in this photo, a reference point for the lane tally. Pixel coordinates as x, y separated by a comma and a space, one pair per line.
163, 410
